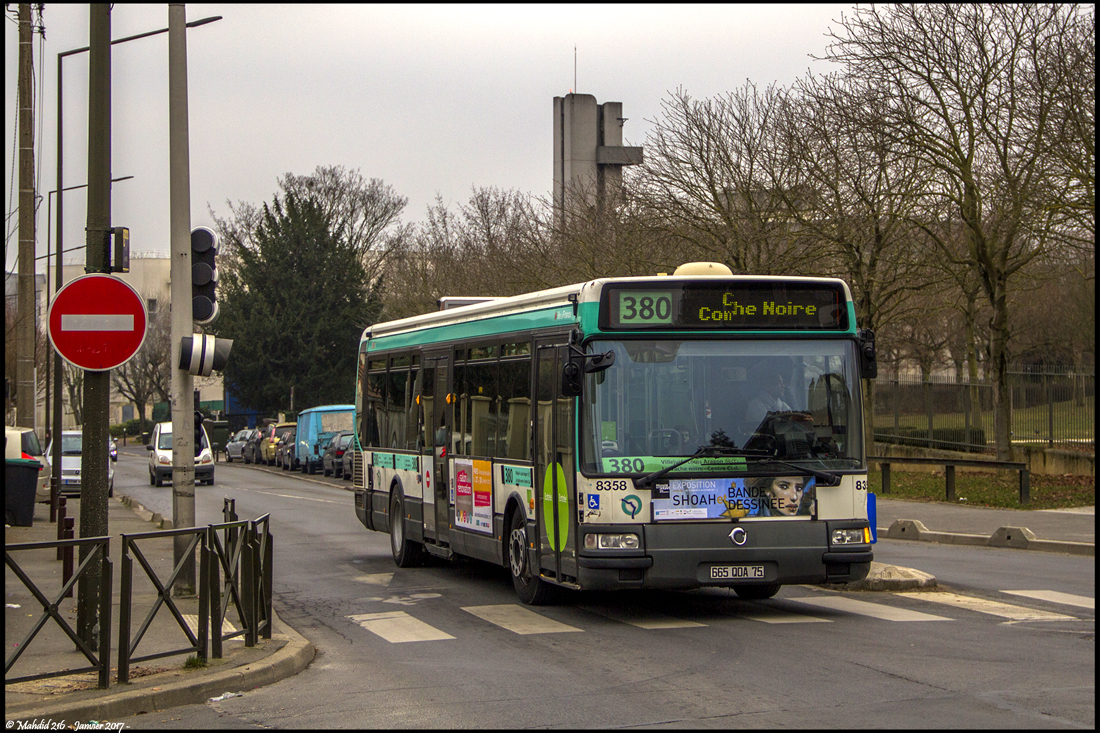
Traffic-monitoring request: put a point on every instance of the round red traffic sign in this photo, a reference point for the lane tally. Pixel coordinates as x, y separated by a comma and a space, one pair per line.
97, 322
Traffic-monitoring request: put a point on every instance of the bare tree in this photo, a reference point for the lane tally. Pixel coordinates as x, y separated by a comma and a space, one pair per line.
972, 99
366, 213
706, 178
148, 374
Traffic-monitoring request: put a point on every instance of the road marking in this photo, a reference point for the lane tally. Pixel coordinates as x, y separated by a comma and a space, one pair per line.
644, 620
518, 619
227, 626
874, 610
983, 605
1066, 599
375, 578
97, 322
292, 496
398, 627
778, 616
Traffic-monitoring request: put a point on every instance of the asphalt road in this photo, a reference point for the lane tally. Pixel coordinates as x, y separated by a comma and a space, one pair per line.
449, 646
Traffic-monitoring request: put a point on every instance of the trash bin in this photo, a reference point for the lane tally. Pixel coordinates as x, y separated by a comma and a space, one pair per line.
20, 482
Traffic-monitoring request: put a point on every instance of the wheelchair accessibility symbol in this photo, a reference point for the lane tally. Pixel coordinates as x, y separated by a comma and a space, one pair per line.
593, 501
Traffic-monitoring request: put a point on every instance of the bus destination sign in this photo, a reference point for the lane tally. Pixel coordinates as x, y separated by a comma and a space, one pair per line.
729, 306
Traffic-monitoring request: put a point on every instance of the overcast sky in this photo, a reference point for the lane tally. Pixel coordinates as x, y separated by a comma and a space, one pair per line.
431, 99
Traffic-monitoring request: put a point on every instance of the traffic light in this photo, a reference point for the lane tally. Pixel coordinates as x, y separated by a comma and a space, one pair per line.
198, 432
204, 275
200, 354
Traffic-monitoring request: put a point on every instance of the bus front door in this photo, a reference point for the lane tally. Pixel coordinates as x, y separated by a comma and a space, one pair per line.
440, 421
555, 468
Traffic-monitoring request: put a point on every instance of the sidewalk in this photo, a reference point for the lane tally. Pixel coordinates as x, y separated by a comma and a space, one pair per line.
1065, 530
156, 684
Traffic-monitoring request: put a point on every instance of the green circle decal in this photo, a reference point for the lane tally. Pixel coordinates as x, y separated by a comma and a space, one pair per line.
556, 534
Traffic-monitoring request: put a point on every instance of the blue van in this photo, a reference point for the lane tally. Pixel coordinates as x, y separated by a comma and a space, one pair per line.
315, 426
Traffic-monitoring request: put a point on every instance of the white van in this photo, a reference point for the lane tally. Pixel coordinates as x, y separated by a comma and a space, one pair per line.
160, 457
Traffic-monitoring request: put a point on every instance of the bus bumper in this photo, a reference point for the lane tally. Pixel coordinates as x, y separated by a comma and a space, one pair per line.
680, 556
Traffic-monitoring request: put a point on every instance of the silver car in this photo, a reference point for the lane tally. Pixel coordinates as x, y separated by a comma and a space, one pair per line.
72, 444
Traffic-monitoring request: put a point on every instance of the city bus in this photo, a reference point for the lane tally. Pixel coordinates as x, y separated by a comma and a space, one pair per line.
673, 432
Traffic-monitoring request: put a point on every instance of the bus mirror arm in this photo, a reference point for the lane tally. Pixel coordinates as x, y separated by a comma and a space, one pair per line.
580, 363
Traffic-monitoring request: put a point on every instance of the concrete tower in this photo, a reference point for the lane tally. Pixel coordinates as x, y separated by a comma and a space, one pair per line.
588, 151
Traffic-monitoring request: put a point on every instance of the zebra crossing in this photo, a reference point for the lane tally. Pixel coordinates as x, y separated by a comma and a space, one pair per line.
399, 627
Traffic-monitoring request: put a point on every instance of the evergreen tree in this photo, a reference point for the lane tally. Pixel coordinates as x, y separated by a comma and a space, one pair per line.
295, 306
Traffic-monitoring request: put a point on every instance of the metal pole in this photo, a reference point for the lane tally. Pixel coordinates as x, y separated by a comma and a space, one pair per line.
97, 384
25, 313
183, 417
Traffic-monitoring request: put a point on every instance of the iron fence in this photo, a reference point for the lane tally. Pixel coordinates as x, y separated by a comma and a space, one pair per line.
1048, 407
99, 552
245, 558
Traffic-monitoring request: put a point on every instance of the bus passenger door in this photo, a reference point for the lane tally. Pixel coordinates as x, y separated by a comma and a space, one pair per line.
555, 467
438, 431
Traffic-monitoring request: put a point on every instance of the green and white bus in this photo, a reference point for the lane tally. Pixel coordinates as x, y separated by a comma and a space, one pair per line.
698, 429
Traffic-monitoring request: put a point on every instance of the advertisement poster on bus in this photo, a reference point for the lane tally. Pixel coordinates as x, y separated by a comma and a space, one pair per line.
474, 495
734, 498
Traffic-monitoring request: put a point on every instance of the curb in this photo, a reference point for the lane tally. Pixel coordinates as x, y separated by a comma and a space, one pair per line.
1019, 538
288, 661
890, 578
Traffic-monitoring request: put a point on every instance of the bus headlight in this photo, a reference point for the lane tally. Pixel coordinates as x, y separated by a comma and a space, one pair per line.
611, 542
851, 536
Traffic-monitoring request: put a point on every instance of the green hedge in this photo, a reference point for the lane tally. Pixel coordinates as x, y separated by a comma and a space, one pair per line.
945, 438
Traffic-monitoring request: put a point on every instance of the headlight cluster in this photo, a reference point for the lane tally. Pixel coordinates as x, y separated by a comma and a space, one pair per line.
611, 542
851, 536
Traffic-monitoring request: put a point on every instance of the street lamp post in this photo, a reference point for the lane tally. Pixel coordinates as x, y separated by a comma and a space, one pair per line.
55, 458
55, 473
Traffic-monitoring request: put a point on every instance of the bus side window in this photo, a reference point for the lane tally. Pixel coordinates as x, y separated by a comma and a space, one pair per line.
515, 409
376, 415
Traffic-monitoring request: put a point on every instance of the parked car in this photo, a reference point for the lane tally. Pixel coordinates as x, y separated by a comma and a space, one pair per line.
315, 426
72, 444
23, 443
160, 457
347, 458
235, 447
267, 445
251, 451
284, 449
332, 460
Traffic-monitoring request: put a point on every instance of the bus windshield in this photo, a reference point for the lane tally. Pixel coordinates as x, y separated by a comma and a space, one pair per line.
744, 400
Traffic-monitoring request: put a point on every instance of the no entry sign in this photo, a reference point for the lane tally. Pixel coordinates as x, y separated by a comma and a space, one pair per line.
97, 322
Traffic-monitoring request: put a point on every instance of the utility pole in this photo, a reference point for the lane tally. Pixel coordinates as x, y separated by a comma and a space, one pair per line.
25, 312
97, 384
183, 407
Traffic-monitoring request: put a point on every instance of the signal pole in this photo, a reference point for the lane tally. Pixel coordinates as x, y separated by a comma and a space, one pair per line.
183, 417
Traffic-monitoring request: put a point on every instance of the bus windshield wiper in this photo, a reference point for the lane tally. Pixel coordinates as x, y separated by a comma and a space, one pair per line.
825, 478
706, 451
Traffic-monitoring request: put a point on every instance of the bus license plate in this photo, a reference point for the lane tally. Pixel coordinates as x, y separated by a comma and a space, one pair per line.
734, 572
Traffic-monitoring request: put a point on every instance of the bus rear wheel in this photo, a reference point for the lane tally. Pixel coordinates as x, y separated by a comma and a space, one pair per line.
406, 553
756, 592
531, 589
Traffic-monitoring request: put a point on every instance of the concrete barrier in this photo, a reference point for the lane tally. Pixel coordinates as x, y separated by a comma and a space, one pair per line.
1019, 538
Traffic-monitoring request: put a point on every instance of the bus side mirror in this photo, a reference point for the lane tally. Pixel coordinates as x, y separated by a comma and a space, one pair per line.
571, 379
868, 358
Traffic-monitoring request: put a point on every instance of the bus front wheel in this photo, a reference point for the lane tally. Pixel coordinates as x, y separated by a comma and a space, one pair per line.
531, 589
406, 553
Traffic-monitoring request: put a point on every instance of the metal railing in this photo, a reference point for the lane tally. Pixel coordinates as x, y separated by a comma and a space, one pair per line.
127, 645
245, 557
101, 548
1051, 407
